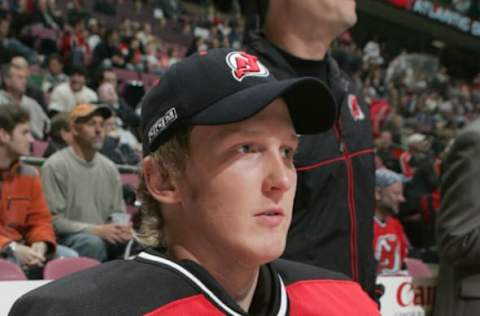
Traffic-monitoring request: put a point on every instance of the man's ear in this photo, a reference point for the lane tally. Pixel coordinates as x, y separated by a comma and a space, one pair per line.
4, 136
160, 182
73, 128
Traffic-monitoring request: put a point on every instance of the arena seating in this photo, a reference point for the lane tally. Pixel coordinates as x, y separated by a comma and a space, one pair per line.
58, 268
10, 271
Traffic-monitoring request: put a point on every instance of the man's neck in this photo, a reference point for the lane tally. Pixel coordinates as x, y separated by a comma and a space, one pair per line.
16, 96
381, 214
5, 159
239, 282
299, 37
83, 153
305, 46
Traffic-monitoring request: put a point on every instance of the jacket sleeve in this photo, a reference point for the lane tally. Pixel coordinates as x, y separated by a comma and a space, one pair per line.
56, 195
39, 219
458, 221
4, 240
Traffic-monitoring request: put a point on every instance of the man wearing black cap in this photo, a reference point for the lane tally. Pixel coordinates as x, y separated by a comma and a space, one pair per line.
218, 187
83, 189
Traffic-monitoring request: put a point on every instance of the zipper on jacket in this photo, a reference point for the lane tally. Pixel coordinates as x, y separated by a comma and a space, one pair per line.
351, 201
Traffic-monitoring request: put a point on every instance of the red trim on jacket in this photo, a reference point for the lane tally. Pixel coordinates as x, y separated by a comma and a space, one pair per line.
193, 305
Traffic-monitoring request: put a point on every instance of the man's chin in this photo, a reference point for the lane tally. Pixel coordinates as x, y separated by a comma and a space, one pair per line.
97, 146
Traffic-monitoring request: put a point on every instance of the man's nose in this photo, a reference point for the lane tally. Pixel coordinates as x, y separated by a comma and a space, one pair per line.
280, 175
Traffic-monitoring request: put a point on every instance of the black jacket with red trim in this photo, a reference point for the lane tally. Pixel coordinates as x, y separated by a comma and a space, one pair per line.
334, 205
153, 285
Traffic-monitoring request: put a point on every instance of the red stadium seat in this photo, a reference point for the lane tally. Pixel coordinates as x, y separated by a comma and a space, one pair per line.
130, 179
58, 268
39, 147
10, 271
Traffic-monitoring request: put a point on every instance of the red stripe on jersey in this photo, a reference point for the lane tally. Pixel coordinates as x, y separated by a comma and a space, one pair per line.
196, 305
329, 297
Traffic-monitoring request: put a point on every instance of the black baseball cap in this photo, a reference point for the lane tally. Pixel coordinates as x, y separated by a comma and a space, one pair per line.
222, 86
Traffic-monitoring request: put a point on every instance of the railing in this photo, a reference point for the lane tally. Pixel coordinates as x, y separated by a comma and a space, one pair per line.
38, 162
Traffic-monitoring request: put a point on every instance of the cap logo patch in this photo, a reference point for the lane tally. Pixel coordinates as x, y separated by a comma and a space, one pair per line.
161, 124
245, 65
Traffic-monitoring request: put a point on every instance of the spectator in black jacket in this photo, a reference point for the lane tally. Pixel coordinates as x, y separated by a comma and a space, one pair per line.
108, 95
334, 205
60, 134
107, 52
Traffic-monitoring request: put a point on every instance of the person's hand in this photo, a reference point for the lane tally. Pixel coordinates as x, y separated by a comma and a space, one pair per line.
40, 247
126, 232
113, 233
28, 257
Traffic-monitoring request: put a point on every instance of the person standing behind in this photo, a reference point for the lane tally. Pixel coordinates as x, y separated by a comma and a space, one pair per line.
26, 233
390, 243
458, 227
332, 224
83, 189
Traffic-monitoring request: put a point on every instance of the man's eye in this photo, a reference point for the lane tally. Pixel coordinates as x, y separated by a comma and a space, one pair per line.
245, 149
288, 153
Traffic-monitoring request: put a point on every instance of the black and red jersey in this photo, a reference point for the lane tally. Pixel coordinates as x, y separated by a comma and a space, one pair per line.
153, 285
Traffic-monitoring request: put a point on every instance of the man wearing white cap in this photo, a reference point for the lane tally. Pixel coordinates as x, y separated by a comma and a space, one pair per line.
389, 242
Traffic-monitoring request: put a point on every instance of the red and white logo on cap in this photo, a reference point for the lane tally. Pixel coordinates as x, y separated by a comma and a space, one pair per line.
245, 65
355, 109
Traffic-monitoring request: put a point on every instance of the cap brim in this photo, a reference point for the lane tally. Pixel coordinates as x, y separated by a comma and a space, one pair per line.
310, 103
103, 111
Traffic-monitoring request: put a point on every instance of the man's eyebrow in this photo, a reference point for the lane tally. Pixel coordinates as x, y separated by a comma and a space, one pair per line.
234, 132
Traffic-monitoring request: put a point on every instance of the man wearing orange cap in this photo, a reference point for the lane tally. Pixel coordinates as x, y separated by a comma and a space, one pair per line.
83, 189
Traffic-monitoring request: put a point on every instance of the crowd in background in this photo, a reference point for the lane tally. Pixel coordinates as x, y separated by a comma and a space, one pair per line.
96, 54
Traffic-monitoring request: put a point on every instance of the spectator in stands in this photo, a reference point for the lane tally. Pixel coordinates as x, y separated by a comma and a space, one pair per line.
46, 14
109, 76
294, 43
95, 33
60, 134
107, 53
73, 44
54, 75
108, 95
31, 91
83, 189
10, 46
120, 145
222, 211
386, 151
66, 95
423, 201
26, 233
134, 57
417, 145
390, 243
77, 10
457, 228
15, 84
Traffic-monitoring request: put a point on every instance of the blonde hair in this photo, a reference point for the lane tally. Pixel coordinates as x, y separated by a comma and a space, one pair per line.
171, 158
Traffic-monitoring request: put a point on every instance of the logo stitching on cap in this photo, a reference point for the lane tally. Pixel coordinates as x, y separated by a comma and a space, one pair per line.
245, 65
161, 124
